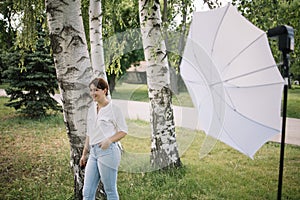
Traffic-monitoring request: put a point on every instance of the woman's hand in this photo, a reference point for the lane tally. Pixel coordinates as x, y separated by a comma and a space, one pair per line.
83, 159
82, 162
105, 144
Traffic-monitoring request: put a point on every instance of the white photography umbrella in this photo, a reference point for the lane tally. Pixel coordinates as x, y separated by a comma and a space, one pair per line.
233, 80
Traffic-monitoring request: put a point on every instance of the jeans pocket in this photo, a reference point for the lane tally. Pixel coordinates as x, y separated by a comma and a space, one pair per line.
104, 152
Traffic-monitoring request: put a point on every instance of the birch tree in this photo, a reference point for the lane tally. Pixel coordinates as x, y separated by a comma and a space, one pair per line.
164, 150
74, 72
96, 42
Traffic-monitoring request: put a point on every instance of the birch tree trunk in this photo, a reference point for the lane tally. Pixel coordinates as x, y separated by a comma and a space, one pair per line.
164, 150
97, 55
96, 42
74, 72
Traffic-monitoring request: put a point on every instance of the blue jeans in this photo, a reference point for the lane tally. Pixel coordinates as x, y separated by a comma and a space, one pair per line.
102, 164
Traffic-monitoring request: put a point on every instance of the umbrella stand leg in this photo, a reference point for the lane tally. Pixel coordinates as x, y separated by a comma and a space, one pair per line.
282, 144
285, 96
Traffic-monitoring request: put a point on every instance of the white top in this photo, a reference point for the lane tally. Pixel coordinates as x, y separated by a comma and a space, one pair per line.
108, 121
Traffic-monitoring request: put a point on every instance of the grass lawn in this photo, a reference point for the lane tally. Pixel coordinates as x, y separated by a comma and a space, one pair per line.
139, 92
34, 164
293, 104
4, 85
34, 156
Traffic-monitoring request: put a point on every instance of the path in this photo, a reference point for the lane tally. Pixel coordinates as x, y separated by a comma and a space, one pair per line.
140, 110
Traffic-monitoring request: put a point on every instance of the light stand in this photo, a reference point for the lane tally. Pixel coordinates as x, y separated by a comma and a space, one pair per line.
285, 36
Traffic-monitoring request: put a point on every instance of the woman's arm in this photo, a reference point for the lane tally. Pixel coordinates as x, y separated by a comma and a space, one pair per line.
85, 152
115, 138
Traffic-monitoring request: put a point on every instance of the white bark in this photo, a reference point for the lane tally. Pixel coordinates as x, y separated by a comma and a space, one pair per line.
96, 42
74, 72
164, 150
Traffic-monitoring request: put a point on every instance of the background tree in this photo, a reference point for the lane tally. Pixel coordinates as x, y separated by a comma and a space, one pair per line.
30, 88
96, 42
164, 149
29, 12
7, 34
176, 16
120, 23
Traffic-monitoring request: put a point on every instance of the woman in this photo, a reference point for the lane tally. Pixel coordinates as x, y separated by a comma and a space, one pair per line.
105, 126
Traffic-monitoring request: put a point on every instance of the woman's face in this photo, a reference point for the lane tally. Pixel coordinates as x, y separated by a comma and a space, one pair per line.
96, 93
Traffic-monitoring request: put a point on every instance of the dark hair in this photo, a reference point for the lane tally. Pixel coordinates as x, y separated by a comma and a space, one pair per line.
100, 83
